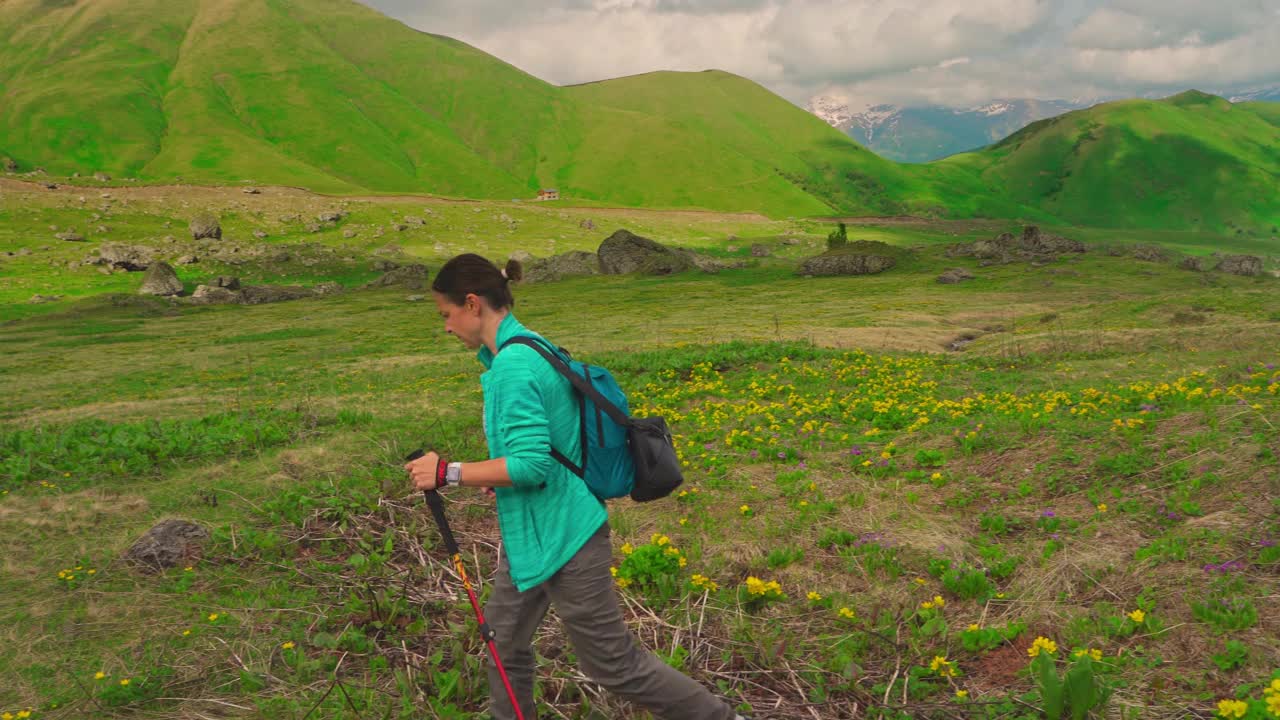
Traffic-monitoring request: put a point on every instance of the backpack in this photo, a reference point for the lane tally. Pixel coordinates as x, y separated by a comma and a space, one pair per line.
621, 455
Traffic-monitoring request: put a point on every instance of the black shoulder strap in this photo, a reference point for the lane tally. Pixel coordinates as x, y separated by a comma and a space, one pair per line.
613, 411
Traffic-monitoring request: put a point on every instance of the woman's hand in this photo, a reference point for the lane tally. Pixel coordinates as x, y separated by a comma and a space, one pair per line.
423, 471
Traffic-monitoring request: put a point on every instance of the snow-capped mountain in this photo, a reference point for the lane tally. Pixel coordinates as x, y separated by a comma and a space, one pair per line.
922, 134
1267, 94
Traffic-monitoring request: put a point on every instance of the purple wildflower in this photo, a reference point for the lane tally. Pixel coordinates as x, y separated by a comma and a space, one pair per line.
1047, 513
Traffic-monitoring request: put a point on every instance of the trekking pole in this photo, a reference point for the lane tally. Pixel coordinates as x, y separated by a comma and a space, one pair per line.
486, 632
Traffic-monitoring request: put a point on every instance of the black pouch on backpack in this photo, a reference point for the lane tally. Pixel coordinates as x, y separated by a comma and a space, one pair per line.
654, 455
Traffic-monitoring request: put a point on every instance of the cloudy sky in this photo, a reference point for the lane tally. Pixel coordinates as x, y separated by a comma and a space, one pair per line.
908, 52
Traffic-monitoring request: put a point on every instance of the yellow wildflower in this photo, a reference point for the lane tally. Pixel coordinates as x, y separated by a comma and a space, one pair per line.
99, 675
1232, 708
287, 646
1102, 507
847, 613
936, 476
627, 549
1094, 653
1138, 616
814, 597
744, 509
124, 682
973, 627
962, 694
213, 617
1042, 643
942, 666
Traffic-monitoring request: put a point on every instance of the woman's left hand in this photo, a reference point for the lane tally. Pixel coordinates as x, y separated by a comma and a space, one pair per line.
423, 471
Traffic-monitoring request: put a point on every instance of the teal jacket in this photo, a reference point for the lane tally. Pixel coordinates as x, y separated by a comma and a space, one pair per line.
548, 513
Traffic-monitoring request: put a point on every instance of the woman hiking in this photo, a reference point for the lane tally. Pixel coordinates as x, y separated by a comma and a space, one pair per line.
555, 550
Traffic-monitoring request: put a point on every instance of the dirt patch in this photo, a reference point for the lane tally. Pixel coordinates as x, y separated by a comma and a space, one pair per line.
123, 410
70, 511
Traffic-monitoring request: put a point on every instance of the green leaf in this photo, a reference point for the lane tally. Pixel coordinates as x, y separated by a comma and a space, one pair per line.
1050, 686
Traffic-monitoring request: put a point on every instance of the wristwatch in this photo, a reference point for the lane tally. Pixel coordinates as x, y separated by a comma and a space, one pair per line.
453, 474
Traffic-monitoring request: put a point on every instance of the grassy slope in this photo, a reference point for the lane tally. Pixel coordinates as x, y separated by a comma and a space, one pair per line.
1192, 160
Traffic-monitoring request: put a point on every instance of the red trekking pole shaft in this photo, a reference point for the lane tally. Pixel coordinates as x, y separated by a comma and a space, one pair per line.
486, 632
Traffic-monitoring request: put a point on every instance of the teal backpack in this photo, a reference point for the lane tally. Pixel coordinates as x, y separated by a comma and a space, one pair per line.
621, 455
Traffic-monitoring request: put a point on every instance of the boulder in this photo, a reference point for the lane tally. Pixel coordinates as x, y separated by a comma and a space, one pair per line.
262, 294
229, 282
1197, 263
160, 280
331, 216
625, 252
1247, 265
575, 263
213, 295
1031, 245
955, 275
411, 277
845, 263
168, 544
1151, 253
203, 226
119, 256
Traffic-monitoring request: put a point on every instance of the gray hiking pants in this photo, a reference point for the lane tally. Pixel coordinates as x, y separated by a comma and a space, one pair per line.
583, 595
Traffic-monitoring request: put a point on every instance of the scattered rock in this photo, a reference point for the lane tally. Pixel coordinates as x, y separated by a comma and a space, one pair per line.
168, 544
328, 288
1151, 253
262, 294
1031, 245
415, 298
313, 227
412, 220
845, 263
160, 280
384, 265
101, 177
1246, 265
40, 299
587, 224
955, 275
213, 295
411, 277
1196, 263
625, 252
9, 164
348, 234
70, 236
186, 260
331, 216
521, 256
259, 235
759, 250
205, 225
252, 191
229, 282
575, 263
132, 258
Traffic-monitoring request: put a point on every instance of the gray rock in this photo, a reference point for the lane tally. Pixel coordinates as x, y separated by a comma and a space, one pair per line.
229, 282
101, 177
203, 226
168, 544
262, 294
348, 234
328, 288
70, 237
587, 224
759, 250
40, 299
1197, 263
252, 191
259, 234
331, 216
625, 252
384, 265
1032, 244
521, 256
9, 164
186, 260
313, 227
955, 275
126, 257
1247, 265
413, 220
415, 298
575, 263
1151, 253
160, 280
213, 295
845, 263
411, 277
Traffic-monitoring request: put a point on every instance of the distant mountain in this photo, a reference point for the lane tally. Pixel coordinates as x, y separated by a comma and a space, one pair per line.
922, 134
1268, 94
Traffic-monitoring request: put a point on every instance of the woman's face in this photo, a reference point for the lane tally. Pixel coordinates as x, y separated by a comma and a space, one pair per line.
462, 321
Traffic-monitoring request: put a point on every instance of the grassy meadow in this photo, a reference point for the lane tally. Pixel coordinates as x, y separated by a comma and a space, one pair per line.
1075, 515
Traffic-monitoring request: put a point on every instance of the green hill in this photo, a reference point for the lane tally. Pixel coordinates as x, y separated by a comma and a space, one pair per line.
301, 93
336, 97
1189, 161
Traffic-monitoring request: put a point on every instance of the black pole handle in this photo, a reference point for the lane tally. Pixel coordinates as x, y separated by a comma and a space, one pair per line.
437, 511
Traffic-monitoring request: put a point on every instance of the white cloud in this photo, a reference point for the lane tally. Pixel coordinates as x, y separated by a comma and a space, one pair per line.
952, 52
